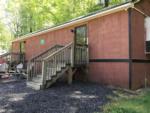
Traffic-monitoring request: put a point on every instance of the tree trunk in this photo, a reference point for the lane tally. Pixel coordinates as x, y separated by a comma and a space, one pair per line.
106, 3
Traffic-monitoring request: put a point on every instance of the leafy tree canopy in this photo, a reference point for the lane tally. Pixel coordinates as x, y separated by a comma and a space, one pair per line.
32, 15
5, 37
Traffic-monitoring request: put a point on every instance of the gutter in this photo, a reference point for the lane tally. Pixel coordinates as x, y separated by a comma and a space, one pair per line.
139, 9
104, 13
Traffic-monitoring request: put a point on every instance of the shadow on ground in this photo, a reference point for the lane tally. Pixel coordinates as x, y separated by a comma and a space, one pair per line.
61, 98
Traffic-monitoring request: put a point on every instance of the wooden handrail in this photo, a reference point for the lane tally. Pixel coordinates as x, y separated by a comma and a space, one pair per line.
57, 52
36, 65
41, 54
58, 60
9, 53
5, 54
55, 61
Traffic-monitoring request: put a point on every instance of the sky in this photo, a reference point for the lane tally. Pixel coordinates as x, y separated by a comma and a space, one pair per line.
3, 14
2, 9
3, 18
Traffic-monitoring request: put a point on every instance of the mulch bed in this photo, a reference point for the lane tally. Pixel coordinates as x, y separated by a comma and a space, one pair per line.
80, 97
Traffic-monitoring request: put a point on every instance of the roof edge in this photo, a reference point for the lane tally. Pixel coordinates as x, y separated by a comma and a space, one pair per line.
78, 21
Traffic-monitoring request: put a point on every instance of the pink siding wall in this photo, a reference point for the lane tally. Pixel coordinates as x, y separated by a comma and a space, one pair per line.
61, 37
15, 47
108, 39
33, 46
115, 74
108, 36
140, 72
138, 36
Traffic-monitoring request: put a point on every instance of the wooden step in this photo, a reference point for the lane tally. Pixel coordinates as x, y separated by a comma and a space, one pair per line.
55, 73
39, 76
56, 77
37, 79
52, 70
33, 85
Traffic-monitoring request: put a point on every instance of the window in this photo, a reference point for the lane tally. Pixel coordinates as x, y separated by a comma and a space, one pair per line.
147, 27
81, 35
42, 42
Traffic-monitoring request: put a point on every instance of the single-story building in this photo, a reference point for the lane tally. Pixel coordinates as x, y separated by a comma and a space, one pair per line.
117, 40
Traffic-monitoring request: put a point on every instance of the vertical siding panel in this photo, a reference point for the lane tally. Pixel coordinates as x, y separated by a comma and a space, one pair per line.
108, 39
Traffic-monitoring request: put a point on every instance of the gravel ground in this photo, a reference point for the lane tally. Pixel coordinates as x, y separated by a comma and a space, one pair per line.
79, 97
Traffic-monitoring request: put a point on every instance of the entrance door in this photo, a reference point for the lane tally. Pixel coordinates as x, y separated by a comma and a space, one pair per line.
81, 45
22, 51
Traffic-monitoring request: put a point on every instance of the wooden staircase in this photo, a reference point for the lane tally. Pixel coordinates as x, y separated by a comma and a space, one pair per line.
45, 69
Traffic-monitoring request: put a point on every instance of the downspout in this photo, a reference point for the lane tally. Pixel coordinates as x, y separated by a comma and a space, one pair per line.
130, 42
130, 49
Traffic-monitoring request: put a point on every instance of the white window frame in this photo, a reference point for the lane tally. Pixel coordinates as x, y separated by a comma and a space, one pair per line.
147, 28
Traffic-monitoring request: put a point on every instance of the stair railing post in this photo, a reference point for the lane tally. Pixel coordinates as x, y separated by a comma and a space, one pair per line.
72, 55
28, 71
44, 72
70, 76
87, 55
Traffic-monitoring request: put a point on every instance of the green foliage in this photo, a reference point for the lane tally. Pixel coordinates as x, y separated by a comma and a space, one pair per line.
5, 37
113, 2
29, 16
126, 104
32, 15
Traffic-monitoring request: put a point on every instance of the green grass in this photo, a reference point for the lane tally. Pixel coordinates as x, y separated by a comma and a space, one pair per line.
126, 103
